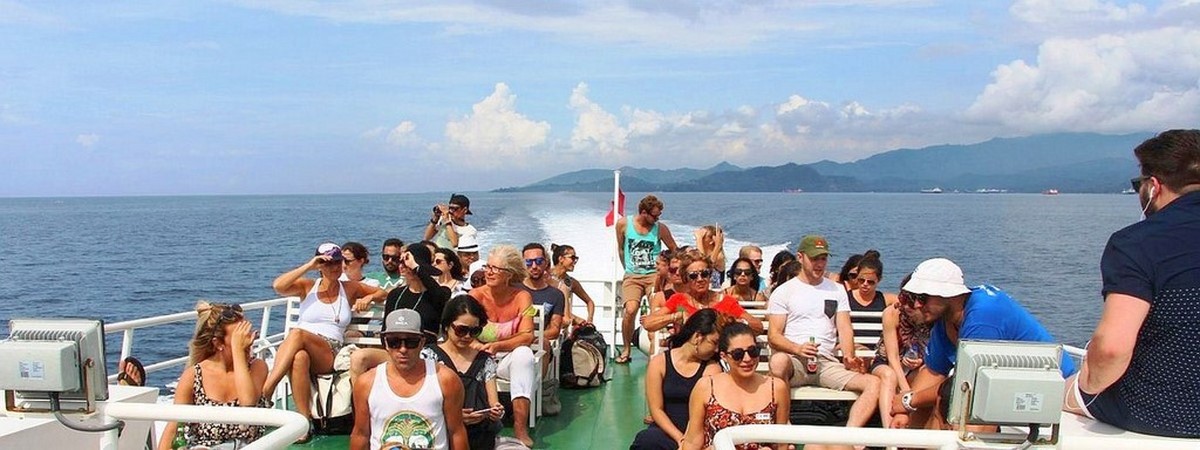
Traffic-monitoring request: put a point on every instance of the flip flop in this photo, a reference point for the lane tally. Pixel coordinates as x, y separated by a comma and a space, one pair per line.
622, 359
124, 379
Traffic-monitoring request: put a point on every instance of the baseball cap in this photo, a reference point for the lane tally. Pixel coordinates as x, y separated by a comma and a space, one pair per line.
461, 200
939, 277
331, 250
814, 245
402, 321
467, 244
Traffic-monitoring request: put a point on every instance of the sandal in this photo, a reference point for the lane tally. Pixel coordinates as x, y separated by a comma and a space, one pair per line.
304, 439
125, 379
622, 359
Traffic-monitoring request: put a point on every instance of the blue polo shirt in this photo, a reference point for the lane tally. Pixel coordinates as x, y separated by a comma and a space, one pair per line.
990, 314
1157, 260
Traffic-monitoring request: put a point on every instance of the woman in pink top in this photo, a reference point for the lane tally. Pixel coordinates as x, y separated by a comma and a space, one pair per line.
509, 329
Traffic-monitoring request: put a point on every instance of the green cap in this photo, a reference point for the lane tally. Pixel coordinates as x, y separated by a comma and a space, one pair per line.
814, 245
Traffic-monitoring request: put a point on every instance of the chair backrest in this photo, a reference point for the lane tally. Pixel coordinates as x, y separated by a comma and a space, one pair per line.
368, 331
539, 334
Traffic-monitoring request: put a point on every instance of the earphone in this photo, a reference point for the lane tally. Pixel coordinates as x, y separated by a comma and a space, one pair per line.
1149, 201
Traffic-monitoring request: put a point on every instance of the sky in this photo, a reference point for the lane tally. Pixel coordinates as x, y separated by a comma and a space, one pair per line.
169, 97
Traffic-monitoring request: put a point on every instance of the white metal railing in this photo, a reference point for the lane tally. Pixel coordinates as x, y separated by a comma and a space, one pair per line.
291, 425
127, 328
810, 434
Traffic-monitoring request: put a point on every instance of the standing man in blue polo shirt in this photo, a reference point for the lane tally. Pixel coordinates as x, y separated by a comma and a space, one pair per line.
957, 312
1142, 370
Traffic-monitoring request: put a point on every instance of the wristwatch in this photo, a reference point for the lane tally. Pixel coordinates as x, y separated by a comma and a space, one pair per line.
906, 401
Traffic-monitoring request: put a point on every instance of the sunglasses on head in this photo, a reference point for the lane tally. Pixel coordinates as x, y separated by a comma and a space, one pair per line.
397, 342
229, 312
530, 262
700, 274
465, 330
740, 272
740, 353
387, 257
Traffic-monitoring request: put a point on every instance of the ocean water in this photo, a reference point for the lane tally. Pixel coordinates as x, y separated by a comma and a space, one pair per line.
124, 258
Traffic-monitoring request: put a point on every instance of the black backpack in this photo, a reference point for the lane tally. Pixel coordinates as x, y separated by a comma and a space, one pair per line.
584, 358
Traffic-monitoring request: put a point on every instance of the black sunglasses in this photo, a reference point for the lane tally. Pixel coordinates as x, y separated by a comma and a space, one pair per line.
740, 272
1136, 182
397, 342
851, 276
700, 274
387, 257
912, 299
464, 330
739, 353
229, 312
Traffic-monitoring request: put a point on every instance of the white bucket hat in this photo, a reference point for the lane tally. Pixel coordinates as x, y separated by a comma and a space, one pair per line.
939, 277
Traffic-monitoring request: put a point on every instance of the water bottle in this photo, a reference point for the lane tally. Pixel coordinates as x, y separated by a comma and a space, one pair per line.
811, 364
180, 441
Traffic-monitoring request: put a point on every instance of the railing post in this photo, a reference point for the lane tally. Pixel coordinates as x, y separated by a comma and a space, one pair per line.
126, 345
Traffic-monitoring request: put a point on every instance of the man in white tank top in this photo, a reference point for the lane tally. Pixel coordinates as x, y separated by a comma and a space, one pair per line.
407, 402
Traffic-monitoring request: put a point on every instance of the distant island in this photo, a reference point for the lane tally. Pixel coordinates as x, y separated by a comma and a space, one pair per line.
1063, 162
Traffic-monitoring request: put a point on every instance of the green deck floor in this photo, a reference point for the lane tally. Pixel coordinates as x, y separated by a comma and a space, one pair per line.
606, 417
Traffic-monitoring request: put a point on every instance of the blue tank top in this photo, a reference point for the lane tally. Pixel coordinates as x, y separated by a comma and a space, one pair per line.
641, 250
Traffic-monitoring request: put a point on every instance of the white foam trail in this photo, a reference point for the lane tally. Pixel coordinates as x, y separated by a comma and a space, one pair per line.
583, 229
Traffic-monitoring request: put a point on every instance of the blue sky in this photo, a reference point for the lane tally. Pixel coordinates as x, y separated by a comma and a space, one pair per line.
273, 96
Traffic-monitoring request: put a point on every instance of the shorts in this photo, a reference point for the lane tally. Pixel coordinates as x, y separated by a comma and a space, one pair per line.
334, 345
634, 286
831, 374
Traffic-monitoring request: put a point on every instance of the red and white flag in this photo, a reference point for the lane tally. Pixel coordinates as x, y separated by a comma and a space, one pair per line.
611, 218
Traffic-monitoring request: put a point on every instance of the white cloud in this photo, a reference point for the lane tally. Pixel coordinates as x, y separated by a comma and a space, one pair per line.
87, 141
1058, 12
494, 129
1114, 83
595, 129
404, 135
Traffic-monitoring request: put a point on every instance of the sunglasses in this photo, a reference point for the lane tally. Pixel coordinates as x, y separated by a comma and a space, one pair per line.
397, 342
851, 275
453, 208
740, 272
572, 257
911, 299
349, 261
700, 274
439, 261
739, 354
1136, 182
672, 269
868, 282
229, 312
464, 330
387, 257
493, 269
530, 262
757, 262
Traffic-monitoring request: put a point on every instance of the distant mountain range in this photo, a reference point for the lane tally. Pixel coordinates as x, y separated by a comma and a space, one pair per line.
1068, 162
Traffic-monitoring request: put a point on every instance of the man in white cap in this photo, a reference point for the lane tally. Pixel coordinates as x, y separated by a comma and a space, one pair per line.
395, 408
938, 292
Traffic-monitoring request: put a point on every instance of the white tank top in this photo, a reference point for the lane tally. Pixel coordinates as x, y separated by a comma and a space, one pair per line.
415, 422
326, 319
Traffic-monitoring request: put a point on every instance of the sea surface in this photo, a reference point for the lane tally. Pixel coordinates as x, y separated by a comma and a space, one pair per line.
130, 257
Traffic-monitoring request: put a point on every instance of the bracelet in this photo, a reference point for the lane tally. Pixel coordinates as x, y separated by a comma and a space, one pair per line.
906, 401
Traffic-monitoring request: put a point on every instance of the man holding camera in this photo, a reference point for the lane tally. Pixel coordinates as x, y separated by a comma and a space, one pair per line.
448, 223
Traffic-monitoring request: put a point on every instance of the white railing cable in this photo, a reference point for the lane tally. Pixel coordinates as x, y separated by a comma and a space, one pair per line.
809, 434
291, 425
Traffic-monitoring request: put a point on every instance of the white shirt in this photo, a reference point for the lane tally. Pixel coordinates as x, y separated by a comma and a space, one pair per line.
810, 310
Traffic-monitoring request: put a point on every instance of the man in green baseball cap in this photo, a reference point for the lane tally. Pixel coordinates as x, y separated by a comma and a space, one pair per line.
807, 316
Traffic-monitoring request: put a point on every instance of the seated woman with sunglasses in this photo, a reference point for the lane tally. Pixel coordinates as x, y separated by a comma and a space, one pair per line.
453, 275
694, 295
745, 282
310, 346
462, 321
741, 396
220, 372
509, 329
901, 351
670, 377
564, 263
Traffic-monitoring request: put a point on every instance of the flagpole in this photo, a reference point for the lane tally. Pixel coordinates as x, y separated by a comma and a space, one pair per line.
617, 268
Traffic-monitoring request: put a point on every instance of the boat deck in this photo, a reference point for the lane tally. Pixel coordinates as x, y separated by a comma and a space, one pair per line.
601, 418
